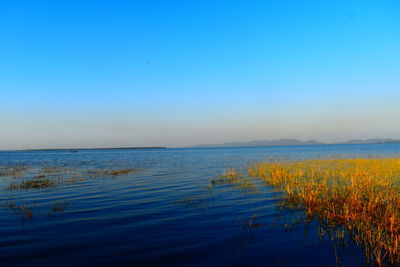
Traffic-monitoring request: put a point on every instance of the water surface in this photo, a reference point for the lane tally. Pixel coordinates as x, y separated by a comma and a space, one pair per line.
164, 214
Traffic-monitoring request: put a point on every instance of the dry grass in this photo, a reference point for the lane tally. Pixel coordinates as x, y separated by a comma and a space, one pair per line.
360, 195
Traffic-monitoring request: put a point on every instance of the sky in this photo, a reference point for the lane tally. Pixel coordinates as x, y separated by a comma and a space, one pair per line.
178, 73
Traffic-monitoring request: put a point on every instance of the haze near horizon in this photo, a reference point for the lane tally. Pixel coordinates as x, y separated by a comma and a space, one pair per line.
180, 73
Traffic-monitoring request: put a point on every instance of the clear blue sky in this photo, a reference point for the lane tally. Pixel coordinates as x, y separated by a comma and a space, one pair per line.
176, 73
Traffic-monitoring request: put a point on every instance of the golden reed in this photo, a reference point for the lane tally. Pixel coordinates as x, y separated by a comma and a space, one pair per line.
361, 195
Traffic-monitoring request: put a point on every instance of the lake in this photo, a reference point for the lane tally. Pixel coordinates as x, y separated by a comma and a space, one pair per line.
166, 212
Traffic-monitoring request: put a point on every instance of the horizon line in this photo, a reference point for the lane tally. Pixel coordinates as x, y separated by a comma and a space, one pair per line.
226, 144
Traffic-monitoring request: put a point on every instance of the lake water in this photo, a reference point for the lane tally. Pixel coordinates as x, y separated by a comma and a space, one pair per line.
164, 214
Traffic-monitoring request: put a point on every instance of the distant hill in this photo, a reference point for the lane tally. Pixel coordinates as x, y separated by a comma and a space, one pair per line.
371, 141
278, 142
295, 142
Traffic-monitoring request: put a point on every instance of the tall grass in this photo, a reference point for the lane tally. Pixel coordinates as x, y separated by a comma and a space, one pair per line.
360, 195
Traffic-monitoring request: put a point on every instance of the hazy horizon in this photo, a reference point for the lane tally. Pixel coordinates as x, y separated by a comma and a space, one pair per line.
152, 73
197, 145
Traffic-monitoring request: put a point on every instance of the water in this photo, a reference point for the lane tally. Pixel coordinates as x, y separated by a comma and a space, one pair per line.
165, 214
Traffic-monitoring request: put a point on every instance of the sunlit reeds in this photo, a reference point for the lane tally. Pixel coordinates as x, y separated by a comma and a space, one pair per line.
360, 195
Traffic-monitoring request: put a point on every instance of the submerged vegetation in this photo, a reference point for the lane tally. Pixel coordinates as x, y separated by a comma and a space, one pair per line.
23, 212
193, 202
234, 178
121, 172
32, 184
230, 173
47, 178
97, 173
359, 197
13, 171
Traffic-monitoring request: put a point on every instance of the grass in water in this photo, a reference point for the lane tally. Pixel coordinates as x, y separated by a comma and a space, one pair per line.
120, 172
361, 196
32, 184
230, 173
233, 177
97, 173
22, 211
14, 171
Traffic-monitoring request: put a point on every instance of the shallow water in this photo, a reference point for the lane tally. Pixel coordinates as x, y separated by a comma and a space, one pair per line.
164, 214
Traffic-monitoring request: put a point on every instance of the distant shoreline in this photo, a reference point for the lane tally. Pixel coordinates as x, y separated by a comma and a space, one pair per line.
80, 149
257, 143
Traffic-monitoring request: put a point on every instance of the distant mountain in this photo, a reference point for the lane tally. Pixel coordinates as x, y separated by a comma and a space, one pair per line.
295, 142
371, 141
278, 142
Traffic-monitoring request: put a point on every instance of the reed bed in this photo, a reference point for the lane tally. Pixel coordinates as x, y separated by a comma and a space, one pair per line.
361, 196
